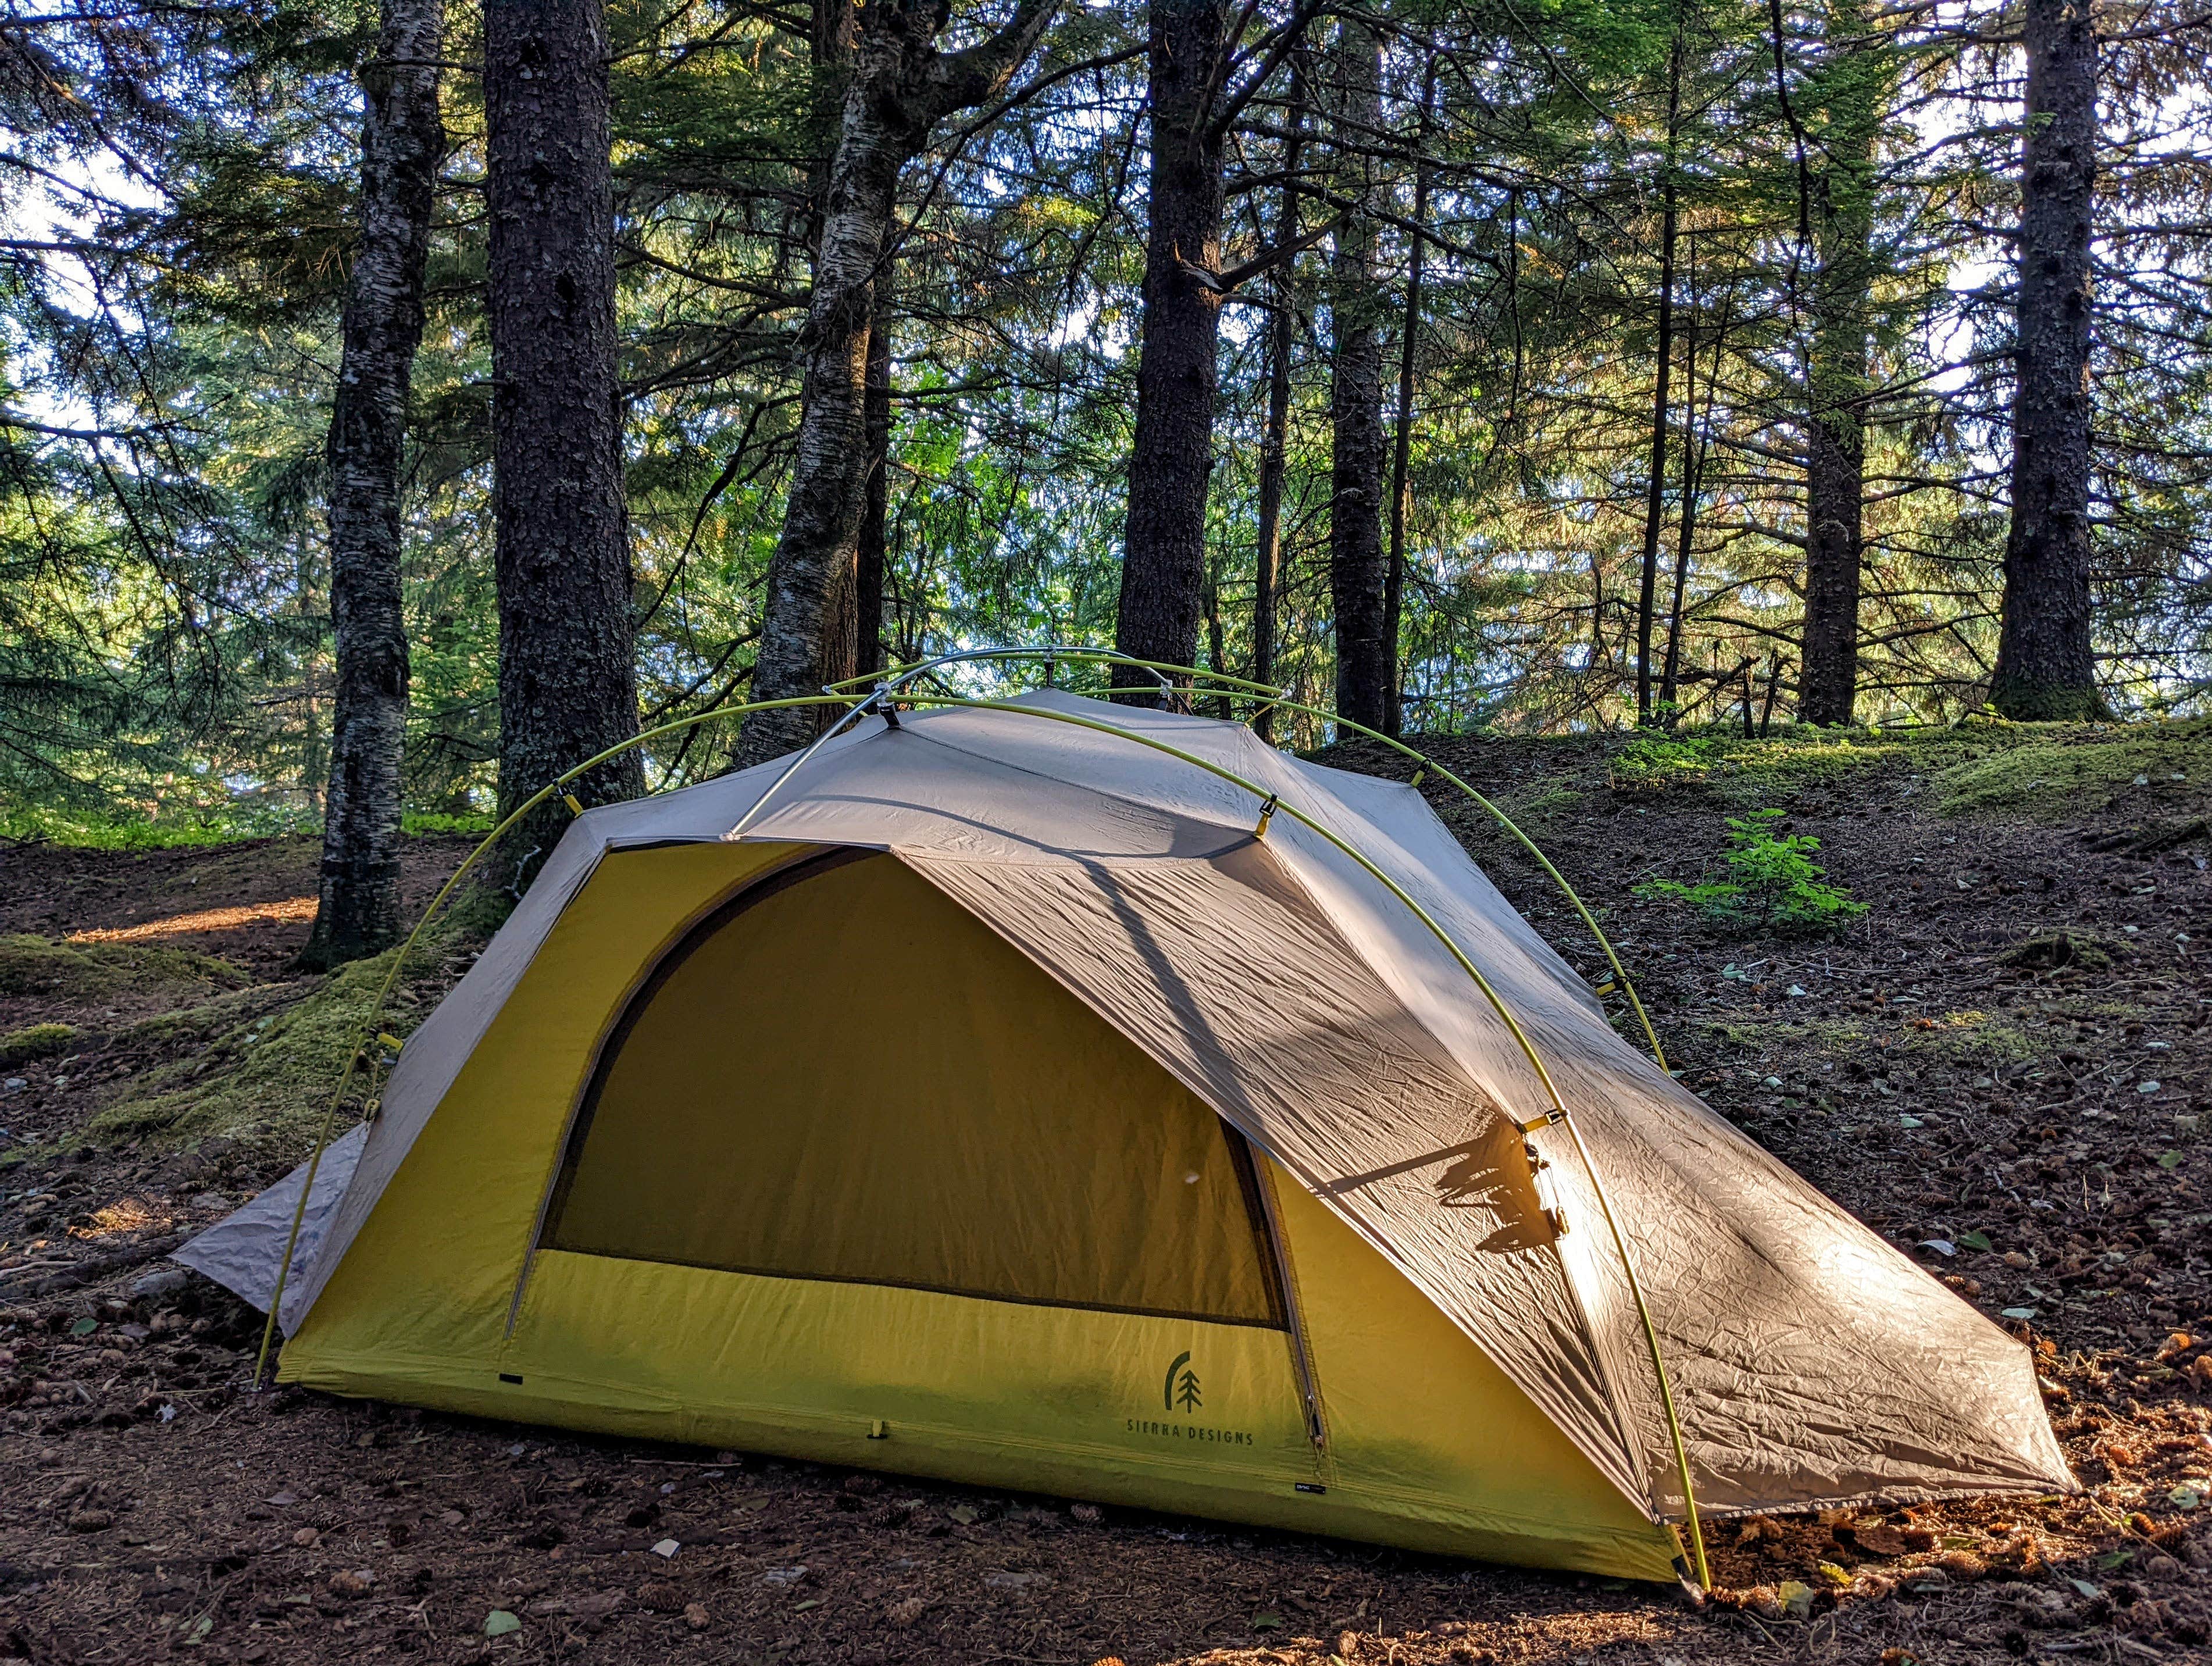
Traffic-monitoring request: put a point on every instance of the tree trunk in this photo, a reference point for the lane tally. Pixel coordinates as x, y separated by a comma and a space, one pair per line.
2046, 669
1394, 585
1656, 500
567, 684
899, 87
875, 501
1694, 458
1837, 373
1358, 570
1171, 454
1274, 441
402, 141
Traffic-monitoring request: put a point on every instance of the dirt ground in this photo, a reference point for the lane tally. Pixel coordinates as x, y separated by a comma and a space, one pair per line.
2003, 1066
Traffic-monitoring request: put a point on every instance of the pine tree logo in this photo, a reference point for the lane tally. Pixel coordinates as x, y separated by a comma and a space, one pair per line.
1182, 1385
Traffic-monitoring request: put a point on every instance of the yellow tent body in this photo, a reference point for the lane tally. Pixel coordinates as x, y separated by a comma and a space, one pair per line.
851, 1179
993, 1099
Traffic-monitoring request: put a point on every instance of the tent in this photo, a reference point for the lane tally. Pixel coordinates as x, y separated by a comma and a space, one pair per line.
1014, 1101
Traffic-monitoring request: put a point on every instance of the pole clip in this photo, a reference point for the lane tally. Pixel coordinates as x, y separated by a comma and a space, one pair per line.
1267, 815
575, 807
1543, 1121
1419, 775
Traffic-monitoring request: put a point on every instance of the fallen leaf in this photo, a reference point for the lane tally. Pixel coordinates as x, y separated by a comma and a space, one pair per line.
666, 1548
1877, 1539
1267, 1621
1974, 1240
499, 1622
1796, 1597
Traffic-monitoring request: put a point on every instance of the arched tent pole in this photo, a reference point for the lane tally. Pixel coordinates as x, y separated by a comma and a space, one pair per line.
1271, 803
1620, 972
367, 1032
1266, 696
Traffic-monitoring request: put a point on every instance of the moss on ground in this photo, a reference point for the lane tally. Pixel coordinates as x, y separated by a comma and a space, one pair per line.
32, 965
249, 1072
2057, 772
2048, 772
1963, 1037
37, 1041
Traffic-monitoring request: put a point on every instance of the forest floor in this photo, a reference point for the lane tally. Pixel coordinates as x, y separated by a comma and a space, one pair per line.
2004, 1065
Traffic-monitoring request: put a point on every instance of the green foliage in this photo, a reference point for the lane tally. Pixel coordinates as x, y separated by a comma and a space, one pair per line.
183, 827
37, 1041
1772, 882
421, 824
1653, 763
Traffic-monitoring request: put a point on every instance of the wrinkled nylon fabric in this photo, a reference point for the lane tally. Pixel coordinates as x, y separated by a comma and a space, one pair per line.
242, 1252
1811, 1360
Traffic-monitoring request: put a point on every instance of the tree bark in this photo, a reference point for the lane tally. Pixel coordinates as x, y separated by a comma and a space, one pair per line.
1401, 452
1171, 454
1694, 457
1274, 441
875, 501
567, 678
899, 87
1654, 505
1357, 569
2046, 669
1837, 372
402, 142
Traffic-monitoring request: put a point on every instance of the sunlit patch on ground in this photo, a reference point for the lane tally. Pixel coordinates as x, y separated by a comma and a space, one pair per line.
237, 918
129, 1214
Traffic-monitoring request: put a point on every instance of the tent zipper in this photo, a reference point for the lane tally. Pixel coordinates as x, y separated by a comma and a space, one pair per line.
1293, 1309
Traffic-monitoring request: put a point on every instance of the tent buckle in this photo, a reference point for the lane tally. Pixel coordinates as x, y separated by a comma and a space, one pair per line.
1543, 1121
